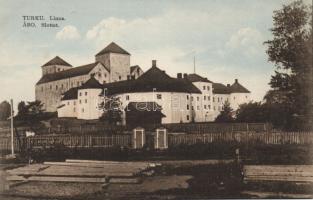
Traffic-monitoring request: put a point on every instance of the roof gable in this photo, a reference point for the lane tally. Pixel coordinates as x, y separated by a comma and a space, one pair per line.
75, 71
152, 80
238, 88
57, 61
219, 88
112, 48
197, 78
92, 83
70, 94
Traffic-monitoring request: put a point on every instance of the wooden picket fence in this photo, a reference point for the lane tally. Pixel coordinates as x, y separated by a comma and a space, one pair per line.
90, 141
301, 138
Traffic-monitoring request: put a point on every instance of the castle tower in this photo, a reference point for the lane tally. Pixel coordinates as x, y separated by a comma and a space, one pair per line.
56, 64
117, 60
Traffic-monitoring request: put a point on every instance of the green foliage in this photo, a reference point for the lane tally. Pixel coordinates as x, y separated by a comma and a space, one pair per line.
112, 110
226, 114
5, 110
291, 52
253, 112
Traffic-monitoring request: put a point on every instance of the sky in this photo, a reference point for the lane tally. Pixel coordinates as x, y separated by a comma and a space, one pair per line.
225, 37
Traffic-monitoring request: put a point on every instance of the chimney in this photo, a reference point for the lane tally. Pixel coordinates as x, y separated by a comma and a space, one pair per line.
154, 63
228, 85
185, 75
236, 80
179, 75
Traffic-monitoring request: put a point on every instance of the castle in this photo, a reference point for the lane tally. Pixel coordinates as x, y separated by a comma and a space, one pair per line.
78, 91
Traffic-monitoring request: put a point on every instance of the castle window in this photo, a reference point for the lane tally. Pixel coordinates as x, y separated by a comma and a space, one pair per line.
80, 94
56, 87
58, 69
187, 97
83, 110
203, 87
204, 106
62, 86
218, 99
80, 101
187, 117
191, 98
105, 75
192, 108
204, 97
213, 99
187, 107
159, 96
99, 75
85, 93
50, 87
68, 103
209, 98
85, 100
208, 88
127, 97
234, 98
119, 77
209, 107
246, 97
198, 98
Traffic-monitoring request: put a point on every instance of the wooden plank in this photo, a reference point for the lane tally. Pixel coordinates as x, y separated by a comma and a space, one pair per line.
57, 179
150, 164
124, 180
99, 165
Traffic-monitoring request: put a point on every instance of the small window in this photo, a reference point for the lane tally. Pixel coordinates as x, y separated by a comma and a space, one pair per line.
246, 97
208, 88
58, 69
56, 87
99, 75
105, 75
191, 98
234, 98
80, 94
209, 107
187, 117
187, 107
85, 100
68, 103
209, 98
198, 107
127, 97
86, 93
83, 110
213, 107
204, 106
80, 101
192, 108
204, 97
198, 98
61, 86
213, 99
187, 97
218, 99
203, 87
120, 78
159, 96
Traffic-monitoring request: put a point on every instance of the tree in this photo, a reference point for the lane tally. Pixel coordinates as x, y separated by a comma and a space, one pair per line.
291, 52
22, 108
226, 114
5, 110
112, 110
253, 112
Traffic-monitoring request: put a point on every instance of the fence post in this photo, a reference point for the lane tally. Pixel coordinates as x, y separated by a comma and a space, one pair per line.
161, 139
138, 138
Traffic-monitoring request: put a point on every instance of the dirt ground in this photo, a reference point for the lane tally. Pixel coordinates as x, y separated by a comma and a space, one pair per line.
184, 179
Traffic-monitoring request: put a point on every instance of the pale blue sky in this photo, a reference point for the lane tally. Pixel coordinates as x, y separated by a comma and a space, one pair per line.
226, 36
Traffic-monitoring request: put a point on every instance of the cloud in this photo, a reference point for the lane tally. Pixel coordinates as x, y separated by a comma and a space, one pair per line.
248, 40
68, 33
